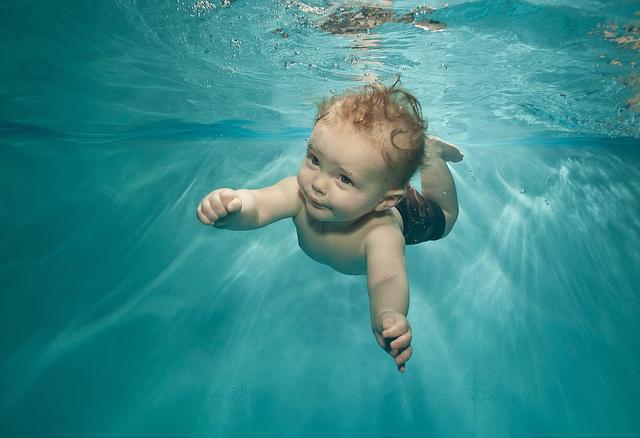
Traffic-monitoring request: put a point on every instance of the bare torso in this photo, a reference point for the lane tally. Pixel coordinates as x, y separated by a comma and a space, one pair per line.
342, 250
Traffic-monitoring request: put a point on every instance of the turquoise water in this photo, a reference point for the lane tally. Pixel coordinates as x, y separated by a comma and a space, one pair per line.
121, 315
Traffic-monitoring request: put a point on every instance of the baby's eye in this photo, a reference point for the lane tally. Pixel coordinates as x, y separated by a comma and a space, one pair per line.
345, 180
314, 160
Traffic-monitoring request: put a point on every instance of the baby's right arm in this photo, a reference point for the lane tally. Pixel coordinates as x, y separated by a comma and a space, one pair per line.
248, 209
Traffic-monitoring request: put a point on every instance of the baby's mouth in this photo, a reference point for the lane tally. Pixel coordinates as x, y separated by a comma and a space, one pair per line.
314, 203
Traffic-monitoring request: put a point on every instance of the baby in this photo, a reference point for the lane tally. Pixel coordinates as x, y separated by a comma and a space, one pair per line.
351, 202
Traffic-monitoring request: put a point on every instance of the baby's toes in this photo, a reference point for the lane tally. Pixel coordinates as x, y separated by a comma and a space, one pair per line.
451, 153
456, 156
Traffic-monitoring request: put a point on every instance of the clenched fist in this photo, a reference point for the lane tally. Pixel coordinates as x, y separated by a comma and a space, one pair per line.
393, 333
219, 207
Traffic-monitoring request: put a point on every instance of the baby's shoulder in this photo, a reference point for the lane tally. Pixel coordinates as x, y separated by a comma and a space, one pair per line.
385, 226
383, 243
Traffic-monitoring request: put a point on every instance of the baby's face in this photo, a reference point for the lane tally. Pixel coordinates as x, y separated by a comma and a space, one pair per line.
342, 177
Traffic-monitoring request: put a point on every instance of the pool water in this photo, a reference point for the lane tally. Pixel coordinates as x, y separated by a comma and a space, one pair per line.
121, 315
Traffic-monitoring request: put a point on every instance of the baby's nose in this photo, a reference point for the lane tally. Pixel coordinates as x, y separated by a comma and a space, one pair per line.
319, 185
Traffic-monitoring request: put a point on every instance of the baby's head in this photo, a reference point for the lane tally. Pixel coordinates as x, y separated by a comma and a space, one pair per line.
365, 146
388, 118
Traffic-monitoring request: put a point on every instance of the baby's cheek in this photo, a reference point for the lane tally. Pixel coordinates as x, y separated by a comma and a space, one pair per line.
301, 176
345, 205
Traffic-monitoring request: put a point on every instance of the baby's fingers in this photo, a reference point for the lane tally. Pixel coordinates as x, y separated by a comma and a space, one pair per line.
399, 327
402, 358
202, 217
214, 202
230, 201
234, 205
402, 341
207, 210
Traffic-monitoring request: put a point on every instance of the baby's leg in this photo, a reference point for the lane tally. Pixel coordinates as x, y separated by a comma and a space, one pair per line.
436, 180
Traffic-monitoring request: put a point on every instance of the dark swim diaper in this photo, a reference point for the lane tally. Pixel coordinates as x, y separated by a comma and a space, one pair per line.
423, 219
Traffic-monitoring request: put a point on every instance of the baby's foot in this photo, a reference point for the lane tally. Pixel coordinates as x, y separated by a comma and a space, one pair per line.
451, 153
448, 152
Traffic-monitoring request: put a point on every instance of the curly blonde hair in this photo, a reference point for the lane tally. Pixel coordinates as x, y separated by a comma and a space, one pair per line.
383, 115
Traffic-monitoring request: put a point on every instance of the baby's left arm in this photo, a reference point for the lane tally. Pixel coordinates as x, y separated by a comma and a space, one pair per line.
389, 292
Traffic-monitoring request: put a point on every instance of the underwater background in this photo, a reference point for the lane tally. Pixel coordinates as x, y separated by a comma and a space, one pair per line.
122, 316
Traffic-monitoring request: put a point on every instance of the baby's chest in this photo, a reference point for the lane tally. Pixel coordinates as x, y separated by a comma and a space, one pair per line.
342, 252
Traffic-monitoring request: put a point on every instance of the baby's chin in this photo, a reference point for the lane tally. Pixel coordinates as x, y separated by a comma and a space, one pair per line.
323, 214
327, 215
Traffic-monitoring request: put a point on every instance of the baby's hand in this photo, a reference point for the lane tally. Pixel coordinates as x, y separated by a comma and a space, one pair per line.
393, 333
219, 207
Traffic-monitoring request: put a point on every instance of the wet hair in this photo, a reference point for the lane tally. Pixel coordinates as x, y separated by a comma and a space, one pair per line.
389, 117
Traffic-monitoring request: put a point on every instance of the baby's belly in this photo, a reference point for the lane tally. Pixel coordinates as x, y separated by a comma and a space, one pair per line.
343, 260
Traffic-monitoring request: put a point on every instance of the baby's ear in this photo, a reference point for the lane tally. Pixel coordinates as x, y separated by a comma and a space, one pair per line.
391, 198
